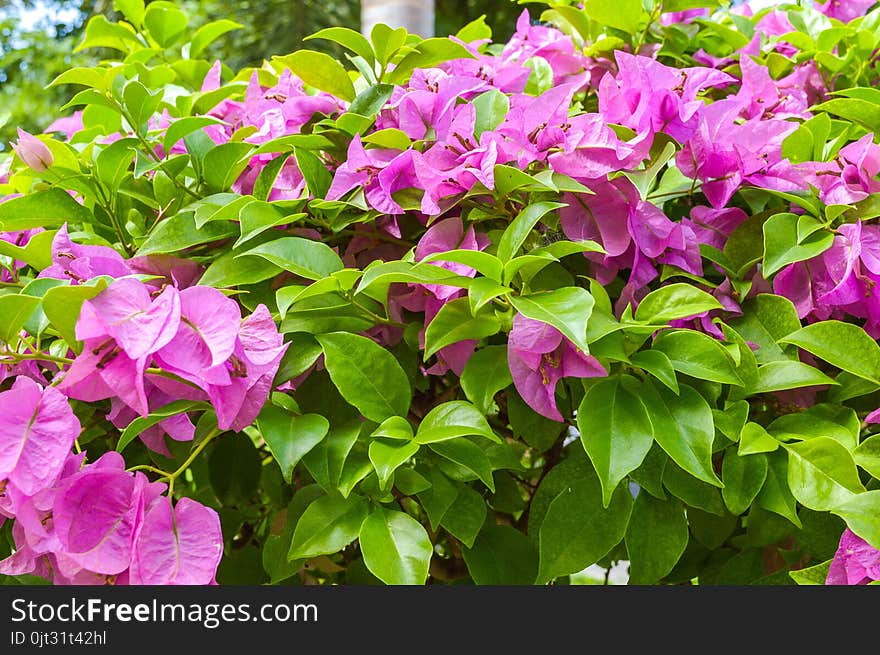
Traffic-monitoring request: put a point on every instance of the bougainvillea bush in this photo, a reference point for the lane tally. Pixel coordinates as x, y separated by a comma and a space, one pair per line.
448, 310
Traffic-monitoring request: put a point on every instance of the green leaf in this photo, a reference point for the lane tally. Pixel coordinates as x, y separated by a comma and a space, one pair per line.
483, 262
755, 439
844, 345
673, 302
822, 420
621, 14
698, 355
347, 38
396, 547
42, 209
692, 491
63, 304
782, 247
485, 374
822, 474
141, 423
655, 538
867, 455
452, 419
567, 309
179, 231
578, 529
14, 311
778, 376
438, 498
224, 163
114, 161
101, 33
615, 430
289, 437
658, 365
465, 516
813, 575
140, 103
395, 427
467, 455
165, 22
519, 229
743, 477
36, 253
320, 71
491, 109
367, 375
133, 10
454, 322
387, 455
317, 177
864, 112
426, 54
860, 513
370, 101
185, 126
501, 555
327, 526
327, 459
310, 259
684, 427
775, 495
207, 34
766, 319
386, 42
482, 290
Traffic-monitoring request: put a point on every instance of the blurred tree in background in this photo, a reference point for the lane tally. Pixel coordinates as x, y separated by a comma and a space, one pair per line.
38, 40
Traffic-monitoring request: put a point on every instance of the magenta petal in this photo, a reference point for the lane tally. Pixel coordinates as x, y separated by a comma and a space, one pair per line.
95, 517
214, 317
37, 431
531, 387
177, 546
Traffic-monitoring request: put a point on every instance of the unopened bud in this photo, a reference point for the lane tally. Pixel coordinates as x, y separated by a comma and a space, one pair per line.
33, 152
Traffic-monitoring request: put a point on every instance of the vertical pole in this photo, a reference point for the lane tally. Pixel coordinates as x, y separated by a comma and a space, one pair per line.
417, 16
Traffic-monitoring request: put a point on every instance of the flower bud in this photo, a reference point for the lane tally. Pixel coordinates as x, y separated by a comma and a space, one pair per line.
33, 152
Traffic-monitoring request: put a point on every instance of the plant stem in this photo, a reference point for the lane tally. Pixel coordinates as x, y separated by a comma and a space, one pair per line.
189, 460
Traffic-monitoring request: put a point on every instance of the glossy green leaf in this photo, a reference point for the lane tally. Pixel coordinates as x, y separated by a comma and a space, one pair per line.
822, 474
454, 323
387, 455
616, 431
485, 374
141, 423
567, 309
578, 529
698, 355
656, 537
396, 547
321, 71
367, 375
843, 345
674, 301
468, 455
515, 235
328, 525
860, 513
452, 419
502, 555
310, 259
683, 426
743, 477
289, 437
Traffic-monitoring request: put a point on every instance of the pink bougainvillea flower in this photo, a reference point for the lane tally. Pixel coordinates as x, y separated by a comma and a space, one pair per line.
179, 426
97, 512
539, 356
860, 165
80, 263
33, 152
37, 431
593, 150
180, 545
121, 327
363, 168
552, 45
68, 125
844, 10
855, 562
649, 97
238, 386
713, 226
